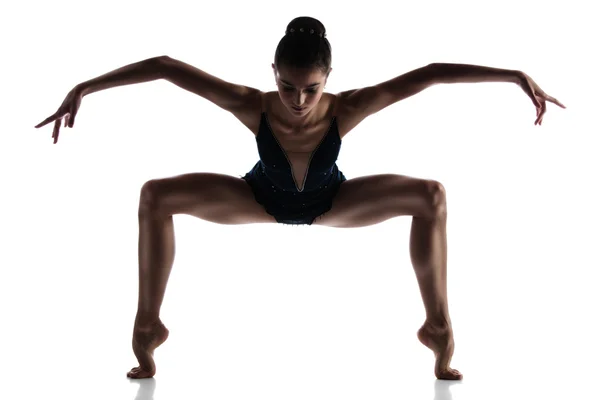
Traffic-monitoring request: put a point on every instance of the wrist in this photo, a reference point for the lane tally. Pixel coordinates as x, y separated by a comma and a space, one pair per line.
517, 76
81, 89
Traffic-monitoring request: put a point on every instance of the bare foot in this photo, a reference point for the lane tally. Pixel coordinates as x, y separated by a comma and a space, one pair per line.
441, 341
145, 340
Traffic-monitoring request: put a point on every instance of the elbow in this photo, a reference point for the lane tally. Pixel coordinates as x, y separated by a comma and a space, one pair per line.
161, 60
160, 65
432, 73
434, 66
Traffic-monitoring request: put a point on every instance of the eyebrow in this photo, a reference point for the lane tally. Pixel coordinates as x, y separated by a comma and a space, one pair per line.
289, 84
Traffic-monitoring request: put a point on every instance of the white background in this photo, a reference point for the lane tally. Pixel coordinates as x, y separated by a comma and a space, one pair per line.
280, 312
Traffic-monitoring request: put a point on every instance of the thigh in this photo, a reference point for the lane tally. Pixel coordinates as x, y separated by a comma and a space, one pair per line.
369, 200
217, 198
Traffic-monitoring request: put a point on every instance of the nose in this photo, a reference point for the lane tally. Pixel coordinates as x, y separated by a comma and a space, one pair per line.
299, 101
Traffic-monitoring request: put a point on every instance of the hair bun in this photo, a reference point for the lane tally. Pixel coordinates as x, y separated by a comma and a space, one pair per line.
306, 25
304, 46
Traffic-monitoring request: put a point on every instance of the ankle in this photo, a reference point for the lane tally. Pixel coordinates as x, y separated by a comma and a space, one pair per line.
438, 322
146, 320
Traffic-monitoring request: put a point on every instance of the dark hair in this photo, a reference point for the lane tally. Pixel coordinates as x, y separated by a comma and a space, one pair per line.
304, 46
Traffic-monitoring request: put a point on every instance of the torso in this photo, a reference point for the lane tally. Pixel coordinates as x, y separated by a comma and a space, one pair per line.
298, 143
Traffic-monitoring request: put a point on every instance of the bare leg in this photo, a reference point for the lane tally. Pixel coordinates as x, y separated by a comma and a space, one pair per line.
218, 198
369, 200
429, 257
156, 256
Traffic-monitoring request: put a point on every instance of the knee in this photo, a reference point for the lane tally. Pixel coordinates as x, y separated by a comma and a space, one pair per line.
149, 198
436, 198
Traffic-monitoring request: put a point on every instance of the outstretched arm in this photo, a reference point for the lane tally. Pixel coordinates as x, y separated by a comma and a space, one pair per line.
229, 96
456, 73
466, 73
372, 99
142, 71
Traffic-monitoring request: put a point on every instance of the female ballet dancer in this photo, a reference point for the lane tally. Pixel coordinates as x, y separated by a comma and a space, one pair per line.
299, 129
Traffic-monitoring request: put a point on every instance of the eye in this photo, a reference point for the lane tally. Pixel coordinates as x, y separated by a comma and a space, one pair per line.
287, 89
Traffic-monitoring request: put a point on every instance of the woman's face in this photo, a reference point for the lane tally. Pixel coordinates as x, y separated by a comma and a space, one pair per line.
301, 88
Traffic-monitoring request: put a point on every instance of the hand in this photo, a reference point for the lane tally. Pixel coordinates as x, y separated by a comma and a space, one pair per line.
67, 109
537, 95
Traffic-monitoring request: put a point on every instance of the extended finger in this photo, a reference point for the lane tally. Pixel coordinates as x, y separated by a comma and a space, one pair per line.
56, 129
72, 116
558, 103
541, 115
46, 121
531, 93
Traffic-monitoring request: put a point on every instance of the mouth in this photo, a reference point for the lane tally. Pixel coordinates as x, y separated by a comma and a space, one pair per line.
297, 109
